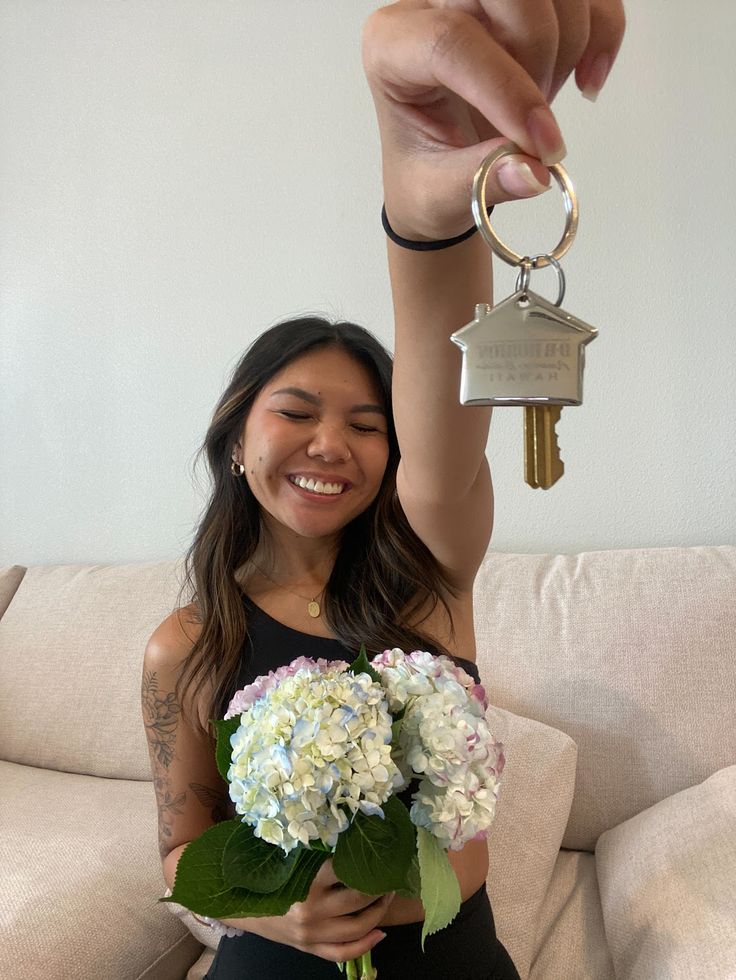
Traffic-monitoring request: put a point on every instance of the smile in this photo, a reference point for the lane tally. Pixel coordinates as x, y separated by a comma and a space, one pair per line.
317, 486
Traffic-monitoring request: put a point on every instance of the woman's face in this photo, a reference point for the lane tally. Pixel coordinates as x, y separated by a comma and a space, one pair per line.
315, 444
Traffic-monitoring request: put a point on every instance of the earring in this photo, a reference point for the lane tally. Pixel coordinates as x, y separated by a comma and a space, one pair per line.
236, 468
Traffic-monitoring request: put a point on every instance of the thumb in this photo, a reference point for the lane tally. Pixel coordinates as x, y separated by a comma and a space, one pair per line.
513, 176
430, 196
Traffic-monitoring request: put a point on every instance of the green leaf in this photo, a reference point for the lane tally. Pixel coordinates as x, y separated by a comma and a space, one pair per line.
200, 884
224, 749
252, 863
361, 666
440, 889
296, 888
374, 855
413, 881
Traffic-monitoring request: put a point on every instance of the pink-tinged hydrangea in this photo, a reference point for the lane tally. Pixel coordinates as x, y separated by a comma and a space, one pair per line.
313, 748
410, 674
445, 741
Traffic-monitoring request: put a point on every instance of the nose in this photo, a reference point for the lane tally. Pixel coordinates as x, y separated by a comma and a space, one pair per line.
329, 443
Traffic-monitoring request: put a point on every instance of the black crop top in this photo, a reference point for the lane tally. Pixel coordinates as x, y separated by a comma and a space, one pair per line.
270, 644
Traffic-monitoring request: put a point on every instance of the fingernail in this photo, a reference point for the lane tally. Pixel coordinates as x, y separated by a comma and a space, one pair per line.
546, 136
382, 935
597, 77
517, 177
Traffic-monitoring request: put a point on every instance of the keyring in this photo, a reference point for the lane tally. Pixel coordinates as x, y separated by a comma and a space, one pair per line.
525, 272
483, 222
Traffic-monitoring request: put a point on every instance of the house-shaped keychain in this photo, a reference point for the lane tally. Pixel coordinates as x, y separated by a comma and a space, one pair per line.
526, 350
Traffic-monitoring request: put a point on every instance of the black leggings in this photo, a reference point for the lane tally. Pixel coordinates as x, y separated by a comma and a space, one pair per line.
466, 950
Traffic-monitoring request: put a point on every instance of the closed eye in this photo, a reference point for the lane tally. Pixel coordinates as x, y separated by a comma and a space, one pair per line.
299, 416
303, 416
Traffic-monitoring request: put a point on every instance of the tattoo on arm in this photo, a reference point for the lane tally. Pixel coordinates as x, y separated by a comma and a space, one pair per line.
169, 805
161, 715
213, 800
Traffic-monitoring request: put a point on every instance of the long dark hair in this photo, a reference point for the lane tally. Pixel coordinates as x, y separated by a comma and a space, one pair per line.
383, 575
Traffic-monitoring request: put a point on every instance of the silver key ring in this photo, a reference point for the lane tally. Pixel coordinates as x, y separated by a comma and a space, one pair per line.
478, 204
527, 264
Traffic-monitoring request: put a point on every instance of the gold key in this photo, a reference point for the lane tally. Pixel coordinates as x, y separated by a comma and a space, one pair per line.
526, 351
542, 463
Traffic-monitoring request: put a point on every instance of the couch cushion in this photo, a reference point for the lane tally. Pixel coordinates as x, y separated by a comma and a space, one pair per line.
10, 579
81, 880
667, 880
533, 808
71, 653
622, 650
571, 940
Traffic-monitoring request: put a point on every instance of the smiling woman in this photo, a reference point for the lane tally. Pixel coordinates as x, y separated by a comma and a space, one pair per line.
306, 429
304, 549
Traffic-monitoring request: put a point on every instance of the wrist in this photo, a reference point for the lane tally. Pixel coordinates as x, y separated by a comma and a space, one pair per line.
224, 927
417, 242
403, 230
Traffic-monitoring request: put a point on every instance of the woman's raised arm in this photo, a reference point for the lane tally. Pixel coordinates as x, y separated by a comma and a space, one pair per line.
447, 80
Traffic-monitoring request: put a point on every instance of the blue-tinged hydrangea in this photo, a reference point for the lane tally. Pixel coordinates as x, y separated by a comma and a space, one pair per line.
312, 749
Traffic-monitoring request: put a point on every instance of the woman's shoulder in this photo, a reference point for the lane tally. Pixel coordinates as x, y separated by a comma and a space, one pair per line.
173, 639
166, 652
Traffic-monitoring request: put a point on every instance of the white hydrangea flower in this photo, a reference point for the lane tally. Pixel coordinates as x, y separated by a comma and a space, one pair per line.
311, 751
444, 740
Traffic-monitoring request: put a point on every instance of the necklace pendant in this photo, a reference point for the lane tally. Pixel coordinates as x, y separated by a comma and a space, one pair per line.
313, 609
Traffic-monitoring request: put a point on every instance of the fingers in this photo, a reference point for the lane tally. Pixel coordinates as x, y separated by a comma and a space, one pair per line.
329, 898
341, 901
529, 30
317, 924
278, 929
550, 38
410, 55
607, 26
573, 18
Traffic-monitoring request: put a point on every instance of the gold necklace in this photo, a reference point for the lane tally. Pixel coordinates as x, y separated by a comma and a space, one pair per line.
313, 607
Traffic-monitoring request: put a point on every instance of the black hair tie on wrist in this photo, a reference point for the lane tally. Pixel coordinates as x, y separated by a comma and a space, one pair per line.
426, 246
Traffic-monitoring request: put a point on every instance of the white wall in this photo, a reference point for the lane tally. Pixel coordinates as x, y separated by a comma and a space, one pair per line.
178, 175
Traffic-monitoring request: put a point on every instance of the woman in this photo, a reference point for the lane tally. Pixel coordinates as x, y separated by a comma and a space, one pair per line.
352, 505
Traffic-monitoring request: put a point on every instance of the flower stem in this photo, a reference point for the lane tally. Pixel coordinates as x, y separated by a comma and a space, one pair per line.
368, 972
360, 969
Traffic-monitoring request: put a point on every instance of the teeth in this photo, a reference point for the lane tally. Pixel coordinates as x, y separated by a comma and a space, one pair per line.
317, 486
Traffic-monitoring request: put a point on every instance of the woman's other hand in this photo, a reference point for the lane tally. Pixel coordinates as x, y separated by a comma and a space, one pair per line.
335, 922
452, 79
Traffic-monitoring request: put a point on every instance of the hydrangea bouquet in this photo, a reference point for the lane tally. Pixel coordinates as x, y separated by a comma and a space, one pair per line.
314, 754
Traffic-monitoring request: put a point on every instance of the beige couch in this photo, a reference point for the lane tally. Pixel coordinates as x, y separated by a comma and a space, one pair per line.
612, 676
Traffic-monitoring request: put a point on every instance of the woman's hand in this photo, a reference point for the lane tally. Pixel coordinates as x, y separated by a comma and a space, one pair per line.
335, 922
452, 79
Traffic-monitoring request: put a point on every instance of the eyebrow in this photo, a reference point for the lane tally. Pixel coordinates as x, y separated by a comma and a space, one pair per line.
307, 396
